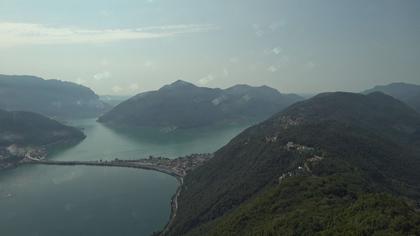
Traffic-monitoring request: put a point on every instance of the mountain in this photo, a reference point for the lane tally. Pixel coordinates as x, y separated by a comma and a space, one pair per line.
338, 163
25, 133
182, 104
51, 98
113, 100
27, 128
408, 93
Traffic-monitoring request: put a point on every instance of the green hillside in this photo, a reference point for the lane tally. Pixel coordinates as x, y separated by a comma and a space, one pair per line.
317, 206
308, 169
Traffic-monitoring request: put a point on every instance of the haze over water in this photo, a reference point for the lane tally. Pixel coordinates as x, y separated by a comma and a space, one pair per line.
58, 200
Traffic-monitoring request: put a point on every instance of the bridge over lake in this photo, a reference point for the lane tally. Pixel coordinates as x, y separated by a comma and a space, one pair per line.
139, 164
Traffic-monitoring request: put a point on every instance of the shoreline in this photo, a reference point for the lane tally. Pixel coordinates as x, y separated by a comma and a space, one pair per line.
174, 198
174, 207
146, 164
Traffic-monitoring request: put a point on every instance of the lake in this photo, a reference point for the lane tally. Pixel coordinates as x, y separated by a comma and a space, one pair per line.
79, 200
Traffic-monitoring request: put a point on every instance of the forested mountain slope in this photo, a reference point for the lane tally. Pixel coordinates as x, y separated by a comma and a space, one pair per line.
336, 163
183, 105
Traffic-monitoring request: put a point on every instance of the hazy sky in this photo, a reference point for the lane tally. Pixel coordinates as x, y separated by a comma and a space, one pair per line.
129, 46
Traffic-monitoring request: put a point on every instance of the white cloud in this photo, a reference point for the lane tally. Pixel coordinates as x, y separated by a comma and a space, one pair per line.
80, 81
259, 33
310, 65
206, 80
15, 34
116, 89
277, 50
102, 75
133, 87
255, 26
148, 64
225, 72
272, 69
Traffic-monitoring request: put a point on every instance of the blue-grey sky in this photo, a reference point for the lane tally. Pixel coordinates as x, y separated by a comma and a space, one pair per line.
129, 46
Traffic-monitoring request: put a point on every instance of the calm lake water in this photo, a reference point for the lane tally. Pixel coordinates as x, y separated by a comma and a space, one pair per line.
59, 200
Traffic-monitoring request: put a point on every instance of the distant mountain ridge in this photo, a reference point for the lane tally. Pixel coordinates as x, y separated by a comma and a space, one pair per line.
336, 164
408, 93
53, 98
113, 100
182, 104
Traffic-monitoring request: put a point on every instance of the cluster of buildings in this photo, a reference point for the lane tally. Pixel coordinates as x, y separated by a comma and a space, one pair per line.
271, 139
297, 172
290, 146
27, 152
287, 121
182, 165
305, 168
11, 155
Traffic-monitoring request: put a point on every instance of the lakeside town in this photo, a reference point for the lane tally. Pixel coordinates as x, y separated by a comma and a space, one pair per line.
11, 156
180, 166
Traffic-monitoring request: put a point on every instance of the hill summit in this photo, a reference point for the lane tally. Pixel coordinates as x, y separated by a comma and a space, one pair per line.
182, 104
408, 93
52, 98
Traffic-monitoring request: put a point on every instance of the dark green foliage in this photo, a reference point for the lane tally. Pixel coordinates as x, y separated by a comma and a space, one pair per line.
27, 128
216, 188
182, 104
331, 205
377, 214
51, 98
368, 146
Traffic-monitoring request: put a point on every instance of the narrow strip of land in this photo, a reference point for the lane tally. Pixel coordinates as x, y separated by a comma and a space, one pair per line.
119, 163
177, 167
